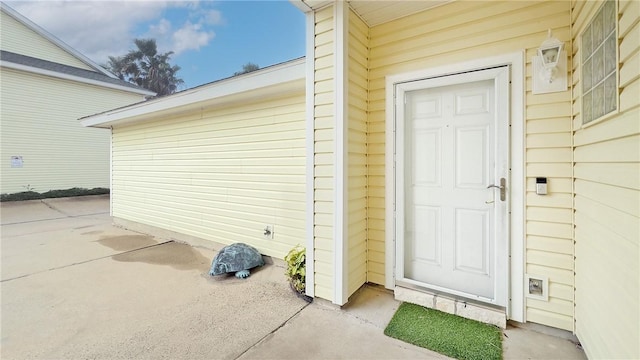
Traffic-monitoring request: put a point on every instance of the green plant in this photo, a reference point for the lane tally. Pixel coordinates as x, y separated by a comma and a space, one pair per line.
295, 271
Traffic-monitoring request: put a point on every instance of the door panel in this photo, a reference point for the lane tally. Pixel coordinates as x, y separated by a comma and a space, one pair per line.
448, 157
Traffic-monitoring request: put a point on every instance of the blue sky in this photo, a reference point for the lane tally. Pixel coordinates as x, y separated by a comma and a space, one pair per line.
211, 39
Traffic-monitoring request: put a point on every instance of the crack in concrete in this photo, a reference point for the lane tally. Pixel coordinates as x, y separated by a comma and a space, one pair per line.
58, 218
273, 331
81, 262
54, 208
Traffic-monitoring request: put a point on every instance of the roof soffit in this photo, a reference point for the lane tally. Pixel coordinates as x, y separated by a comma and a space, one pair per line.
375, 12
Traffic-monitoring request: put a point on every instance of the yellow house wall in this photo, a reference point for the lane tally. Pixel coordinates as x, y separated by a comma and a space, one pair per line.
607, 200
463, 31
357, 147
39, 121
217, 174
324, 133
19, 39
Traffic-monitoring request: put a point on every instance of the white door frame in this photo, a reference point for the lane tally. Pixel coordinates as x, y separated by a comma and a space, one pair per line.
515, 305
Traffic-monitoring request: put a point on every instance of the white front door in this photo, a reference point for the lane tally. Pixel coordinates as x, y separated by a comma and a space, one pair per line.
452, 174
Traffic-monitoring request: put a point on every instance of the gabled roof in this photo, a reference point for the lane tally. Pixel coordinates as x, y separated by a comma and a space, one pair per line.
271, 81
44, 67
47, 35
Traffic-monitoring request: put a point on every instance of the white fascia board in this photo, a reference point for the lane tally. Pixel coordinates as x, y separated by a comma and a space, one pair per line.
47, 35
273, 76
301, 5
34, 70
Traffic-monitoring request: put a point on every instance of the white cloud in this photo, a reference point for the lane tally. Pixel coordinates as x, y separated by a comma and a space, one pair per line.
101, 28
190, 37
213, 17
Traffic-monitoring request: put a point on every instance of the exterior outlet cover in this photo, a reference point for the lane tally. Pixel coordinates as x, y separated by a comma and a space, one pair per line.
267, 232
537, 287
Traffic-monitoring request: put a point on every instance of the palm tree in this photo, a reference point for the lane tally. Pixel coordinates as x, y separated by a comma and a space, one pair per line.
247, 68
147, 68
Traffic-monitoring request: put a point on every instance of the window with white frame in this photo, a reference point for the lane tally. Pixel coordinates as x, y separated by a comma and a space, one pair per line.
599, 64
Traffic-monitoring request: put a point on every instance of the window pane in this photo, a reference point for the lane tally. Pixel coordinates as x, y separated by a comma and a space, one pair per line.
610, 54
586, 76
598, 65
610, 94
587, 113
598, 101
609, 17
586, 44
598, 30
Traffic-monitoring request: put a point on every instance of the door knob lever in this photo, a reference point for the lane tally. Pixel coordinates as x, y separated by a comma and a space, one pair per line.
502, 187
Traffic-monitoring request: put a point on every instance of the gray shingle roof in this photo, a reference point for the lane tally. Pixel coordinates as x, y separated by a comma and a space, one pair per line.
63, 69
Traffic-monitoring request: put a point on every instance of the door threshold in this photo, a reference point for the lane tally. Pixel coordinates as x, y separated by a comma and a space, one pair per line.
465, 308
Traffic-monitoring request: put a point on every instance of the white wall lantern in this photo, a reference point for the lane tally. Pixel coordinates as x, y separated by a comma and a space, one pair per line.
550, 67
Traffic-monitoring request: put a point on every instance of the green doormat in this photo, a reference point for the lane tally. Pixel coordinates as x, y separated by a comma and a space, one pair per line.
447, 334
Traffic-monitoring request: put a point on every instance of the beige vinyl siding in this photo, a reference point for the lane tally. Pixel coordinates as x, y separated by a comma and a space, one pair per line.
324, 125
462, 31
217, 174
357, 147
607, 201
19, 39
39, 121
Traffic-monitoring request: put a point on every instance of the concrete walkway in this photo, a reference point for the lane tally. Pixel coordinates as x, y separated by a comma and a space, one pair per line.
76, 287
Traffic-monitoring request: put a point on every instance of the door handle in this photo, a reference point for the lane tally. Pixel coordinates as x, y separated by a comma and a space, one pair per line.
502, 187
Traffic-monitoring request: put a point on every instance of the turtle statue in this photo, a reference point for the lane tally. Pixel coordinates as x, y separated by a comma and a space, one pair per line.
238, 258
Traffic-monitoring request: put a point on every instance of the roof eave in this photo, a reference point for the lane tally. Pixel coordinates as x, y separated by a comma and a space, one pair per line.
44, 33
277, 79
34, 70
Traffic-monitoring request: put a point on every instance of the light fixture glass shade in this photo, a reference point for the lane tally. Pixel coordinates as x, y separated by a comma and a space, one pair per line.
550, 54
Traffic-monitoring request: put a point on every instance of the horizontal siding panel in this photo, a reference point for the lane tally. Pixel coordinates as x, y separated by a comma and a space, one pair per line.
550, 214
616, 174
58, 152
324, 147
549, 155
626, 149
550, 229
555, 245
630, 43
19, 39
628, 96
554, 305
549, 170
552, 125
548, 111
624, 125
550, 319
627, 200
211, 191
556, 200
553, 140
548, 259
629, 70
617, 221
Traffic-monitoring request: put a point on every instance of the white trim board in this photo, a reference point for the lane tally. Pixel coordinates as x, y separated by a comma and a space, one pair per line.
341, 163
310, 279
516, 60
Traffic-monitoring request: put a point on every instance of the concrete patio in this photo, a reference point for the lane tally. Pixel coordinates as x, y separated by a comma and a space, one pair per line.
74, 286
